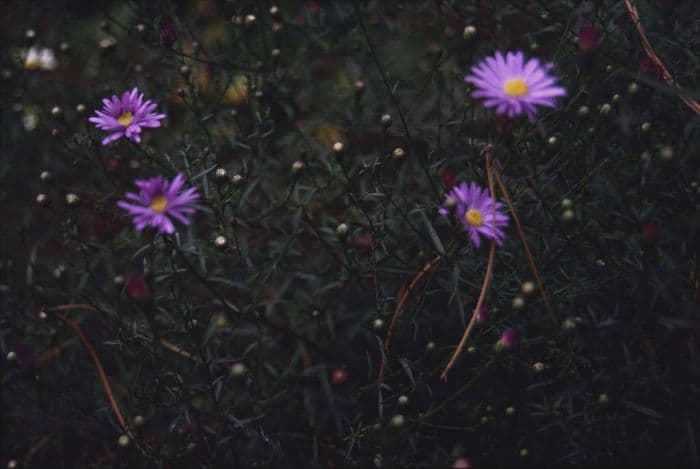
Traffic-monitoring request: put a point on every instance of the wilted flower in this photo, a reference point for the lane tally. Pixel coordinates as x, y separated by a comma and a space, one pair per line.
137, 288
159, 200
514, 86
479, 213
40, 58
126, 116
588, 37
508, 339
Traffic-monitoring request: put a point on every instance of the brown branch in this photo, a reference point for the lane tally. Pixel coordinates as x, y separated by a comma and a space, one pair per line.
634, 15
523, 238
404, 292
487, 277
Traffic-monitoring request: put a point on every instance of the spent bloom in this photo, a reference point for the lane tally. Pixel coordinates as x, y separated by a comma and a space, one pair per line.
479, 213
158, 201
513, 85
126, 116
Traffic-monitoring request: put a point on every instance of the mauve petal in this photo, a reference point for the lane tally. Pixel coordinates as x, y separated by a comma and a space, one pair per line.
112, 137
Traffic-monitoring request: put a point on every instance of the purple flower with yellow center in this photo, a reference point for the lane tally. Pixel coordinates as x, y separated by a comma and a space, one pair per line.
479, 213
514, 86
158, 201
126, 116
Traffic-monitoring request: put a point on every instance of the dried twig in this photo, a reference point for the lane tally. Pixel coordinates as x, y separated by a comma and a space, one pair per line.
634, 15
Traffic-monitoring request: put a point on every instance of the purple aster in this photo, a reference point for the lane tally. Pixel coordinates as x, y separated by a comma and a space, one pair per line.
479, 213
514, 86
159, 200
126, 116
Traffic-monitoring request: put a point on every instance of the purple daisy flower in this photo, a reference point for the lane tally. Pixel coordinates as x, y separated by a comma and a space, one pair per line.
159, 200
126, 116
479, 213
514, 86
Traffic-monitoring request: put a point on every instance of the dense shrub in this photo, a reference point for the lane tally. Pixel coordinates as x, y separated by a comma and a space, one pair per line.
322, 139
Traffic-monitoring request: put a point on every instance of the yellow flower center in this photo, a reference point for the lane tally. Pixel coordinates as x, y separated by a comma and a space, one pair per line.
474, 217
125, 119
159, 203
515, 87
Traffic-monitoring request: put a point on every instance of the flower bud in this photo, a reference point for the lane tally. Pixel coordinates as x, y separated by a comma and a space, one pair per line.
137, 288
403, 400
342, 230
139, 421
528, 288
471, 350
461, 463
55, 111
469, 32
588, 37
359, 86
339, 376
645, 127
11, 357
666, 153
220, 242
237, 179
538, 367
518, 303
297, 166
583, 111
524, 453
249, 20
239, 369
338, 148
274, 10
633, 88
568, 215
378, 324
398, 153
72, 199
42, 200
603, 399
124, 441
378, 460
430, 346
220, 175
397, 421
605, 109
510, 410
386, 121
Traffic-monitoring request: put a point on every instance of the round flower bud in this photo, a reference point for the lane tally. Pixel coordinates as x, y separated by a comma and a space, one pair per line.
608, 68
42, 200
359, 86
43, 315
139, 421
140, 27
605, 109
124, 441
567, 203
118, 280
450, 202
11, 357
58, 271
72, 199
430, 346
55, 132
615, 98
524, 453
633, 88
297, 166
534, 46
538, 367
339, 376
378, 460
259, 94
55, 111
509, 338
484, 419
338, 148
342, 229
276, 27
568, 215
510, 410
469, 32
185, 70
237, 179
583, 111
645, 127
397, 421
220, 174
568, 325
45, 176
274, 10
378, 324
603, 399
12, 464
398, 153
235, 19
645, 156
528, 288
518, 302
553, 141
220, 242
403, 400
600, 262
471, 350
249, 20
80, 108
386, 121
666, 153
239, 369
30, 34
181, 92
275, 53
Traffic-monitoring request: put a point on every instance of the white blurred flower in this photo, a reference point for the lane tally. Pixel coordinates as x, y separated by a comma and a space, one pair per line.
40, 58
30, 121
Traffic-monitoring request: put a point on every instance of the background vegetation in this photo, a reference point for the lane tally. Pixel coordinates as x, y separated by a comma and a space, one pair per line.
255, 336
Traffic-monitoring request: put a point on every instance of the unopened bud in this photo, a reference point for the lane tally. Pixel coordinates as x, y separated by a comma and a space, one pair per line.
55, 111
45, 176
538, 367
583, 111
633, 88
378, 324
42, 200
80, 108
220, 242
249, 20
297, 166
397, 421
518, 302
398, 153
528, 288
645, 127
237, 179
239, 369
338, 148
403, 400
221, 174
605, 109
342, 229
386, 121
603, 399
72, 199
469, 32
